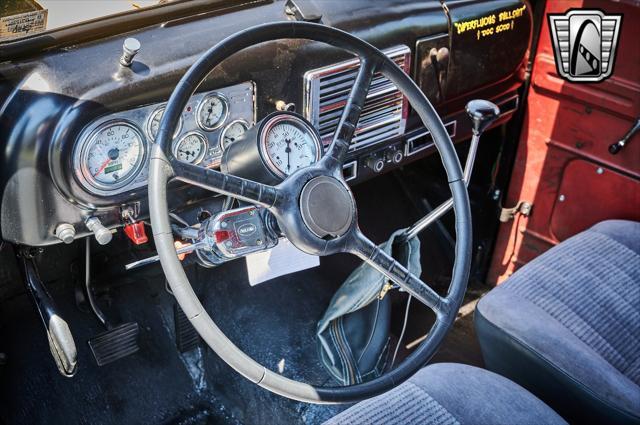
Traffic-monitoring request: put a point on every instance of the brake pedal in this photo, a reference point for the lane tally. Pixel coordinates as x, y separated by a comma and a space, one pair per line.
187, 337
115, 343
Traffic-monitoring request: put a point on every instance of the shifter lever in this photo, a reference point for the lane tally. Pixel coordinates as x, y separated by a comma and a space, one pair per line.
482, 113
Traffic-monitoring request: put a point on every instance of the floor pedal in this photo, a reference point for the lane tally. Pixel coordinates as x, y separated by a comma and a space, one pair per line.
187, 337
115, 343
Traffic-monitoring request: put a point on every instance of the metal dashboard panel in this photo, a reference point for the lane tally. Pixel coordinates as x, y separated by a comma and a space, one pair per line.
241, 107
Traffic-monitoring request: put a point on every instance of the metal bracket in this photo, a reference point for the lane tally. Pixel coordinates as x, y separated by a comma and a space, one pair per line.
508, 214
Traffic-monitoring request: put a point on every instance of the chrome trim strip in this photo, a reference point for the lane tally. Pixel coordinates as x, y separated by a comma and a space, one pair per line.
451, 127
353, 166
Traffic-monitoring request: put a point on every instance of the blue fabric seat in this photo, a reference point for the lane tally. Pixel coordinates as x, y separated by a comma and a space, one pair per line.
451, 394
567, 325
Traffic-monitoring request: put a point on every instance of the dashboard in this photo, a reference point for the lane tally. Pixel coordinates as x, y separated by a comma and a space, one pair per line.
76, 143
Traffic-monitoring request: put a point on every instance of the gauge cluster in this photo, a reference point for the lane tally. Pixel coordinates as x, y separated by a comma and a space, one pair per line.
111, 154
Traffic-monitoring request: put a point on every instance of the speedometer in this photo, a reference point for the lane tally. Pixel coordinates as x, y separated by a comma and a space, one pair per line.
112, 156
288, 143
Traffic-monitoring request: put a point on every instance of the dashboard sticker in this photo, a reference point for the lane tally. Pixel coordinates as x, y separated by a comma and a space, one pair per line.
490, 25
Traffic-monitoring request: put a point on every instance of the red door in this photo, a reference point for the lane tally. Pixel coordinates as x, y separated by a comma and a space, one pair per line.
563, 166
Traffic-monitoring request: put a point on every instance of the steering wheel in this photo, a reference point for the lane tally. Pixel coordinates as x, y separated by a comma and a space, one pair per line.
314, 207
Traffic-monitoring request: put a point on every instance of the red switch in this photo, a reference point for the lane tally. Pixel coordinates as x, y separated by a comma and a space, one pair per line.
136, 233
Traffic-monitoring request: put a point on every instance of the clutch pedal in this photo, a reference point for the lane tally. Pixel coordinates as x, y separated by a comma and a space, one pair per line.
187, 337
117, 341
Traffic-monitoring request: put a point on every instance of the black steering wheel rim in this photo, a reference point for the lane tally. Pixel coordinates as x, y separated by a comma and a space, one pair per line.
162, 167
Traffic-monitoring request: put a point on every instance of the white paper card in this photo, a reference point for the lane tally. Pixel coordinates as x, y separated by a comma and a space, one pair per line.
283, 259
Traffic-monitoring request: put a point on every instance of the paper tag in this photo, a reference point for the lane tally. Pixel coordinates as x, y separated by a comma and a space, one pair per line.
283, 259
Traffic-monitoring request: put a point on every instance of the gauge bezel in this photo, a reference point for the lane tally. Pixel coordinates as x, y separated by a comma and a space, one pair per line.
80, 152
244, 123
224, 116
202, 138
150, 119
272, 121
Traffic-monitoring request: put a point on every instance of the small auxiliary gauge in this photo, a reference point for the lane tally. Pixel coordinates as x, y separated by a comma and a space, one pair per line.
279, 145
288, 143
191, 148
153, 124
212, 111
232, 132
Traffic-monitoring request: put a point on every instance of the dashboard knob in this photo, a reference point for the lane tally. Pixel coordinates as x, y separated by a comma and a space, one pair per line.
65, 232
482, 114
394, 155
130, 48
375, 163
102, 234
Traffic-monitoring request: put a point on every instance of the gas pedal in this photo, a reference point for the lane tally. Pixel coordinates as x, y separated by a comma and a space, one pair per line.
115, 343
187, 337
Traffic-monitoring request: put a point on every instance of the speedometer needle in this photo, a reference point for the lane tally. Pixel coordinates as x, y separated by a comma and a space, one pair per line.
102, 167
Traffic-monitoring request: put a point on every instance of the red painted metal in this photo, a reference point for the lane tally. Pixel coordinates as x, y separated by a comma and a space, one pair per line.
567, 130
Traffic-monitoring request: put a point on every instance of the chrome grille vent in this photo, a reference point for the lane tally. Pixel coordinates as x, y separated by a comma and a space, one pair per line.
385, 110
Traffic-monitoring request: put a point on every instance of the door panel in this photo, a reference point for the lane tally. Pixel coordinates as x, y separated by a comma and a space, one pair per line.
564, 143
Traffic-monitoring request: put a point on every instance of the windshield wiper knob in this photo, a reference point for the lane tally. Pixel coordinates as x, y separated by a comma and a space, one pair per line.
482, 113
130, 48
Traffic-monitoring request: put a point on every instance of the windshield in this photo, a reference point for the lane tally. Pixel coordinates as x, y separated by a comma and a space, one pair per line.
23, 18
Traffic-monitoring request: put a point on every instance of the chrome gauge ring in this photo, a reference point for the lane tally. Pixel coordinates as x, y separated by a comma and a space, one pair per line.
288, 143
111, 156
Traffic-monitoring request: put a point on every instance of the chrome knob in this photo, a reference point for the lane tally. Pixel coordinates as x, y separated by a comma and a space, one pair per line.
130, 48
101, 233
65, 232
482, 113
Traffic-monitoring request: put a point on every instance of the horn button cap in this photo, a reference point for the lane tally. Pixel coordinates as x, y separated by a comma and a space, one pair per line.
327, 207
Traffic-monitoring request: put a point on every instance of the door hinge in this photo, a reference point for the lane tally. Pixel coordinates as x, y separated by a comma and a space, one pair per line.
508, 214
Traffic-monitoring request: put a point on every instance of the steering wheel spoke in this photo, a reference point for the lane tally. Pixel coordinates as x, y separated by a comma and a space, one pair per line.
373, 255
351, 114
226, 184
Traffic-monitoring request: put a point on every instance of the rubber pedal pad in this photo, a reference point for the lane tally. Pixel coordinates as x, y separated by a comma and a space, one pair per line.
187, 337
116, 343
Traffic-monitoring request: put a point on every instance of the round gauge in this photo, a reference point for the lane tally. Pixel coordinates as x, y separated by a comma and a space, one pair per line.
153, 124
212, 112
113, 155
191, 148
288, 143
232, 132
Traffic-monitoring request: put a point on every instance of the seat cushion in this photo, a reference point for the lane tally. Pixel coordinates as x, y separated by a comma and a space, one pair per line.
567, 325
451, 394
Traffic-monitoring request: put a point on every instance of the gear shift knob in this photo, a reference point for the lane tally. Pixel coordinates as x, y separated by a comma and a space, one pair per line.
482, 114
